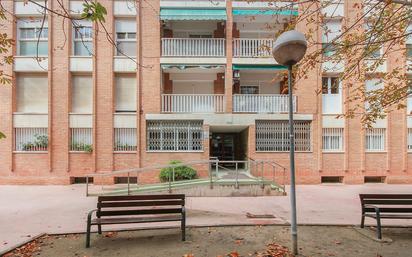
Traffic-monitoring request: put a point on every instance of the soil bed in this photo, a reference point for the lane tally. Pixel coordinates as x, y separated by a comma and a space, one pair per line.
224, 241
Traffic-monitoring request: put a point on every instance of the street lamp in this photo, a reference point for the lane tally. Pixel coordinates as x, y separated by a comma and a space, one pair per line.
289, 49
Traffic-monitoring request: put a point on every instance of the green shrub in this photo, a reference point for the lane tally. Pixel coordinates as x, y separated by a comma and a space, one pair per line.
181, 172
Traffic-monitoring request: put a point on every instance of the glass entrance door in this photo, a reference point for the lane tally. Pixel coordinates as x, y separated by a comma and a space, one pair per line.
222, 146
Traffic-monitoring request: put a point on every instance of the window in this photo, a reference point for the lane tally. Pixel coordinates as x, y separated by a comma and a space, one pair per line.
331, 30
125, 93
331, 95
333, 8
373, 50
174, 135
373, 86
409, 139
82, 94
409, 98
31, 139
272, 135
330, 85
125, 37
32, 93
81, 139
409, 42
409, 51
125, 139
375, 139
332, 139
249, 90
82, 38
33, 37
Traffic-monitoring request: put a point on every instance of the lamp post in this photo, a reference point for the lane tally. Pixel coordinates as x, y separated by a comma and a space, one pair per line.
289, 49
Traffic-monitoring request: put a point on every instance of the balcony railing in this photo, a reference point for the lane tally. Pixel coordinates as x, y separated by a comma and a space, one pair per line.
250, 48
186, 103
193, 47
262, 103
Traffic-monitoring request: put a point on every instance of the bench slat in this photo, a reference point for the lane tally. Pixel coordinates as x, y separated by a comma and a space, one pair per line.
388, 216
107, 221
389, 209
139, 203
388, 201
139, 212
141, 197
385, 196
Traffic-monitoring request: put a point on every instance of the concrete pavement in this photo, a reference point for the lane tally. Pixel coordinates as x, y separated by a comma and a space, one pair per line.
26, 211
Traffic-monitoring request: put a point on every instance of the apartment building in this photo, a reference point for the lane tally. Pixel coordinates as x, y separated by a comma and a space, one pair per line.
187, 80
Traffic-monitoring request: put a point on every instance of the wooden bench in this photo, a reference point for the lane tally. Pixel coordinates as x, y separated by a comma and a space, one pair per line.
385, 206
137, 209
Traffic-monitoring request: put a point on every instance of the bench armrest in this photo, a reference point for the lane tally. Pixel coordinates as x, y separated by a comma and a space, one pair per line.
89, 216
374, 207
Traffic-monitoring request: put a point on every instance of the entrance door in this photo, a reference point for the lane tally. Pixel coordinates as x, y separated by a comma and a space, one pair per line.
222, 146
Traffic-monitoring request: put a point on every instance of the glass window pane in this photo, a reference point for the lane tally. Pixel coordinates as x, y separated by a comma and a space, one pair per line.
249, 90
325, 85
42, 33
83, 48
29, 48
121, 35
409, 50
27, 33
131, 35
334, 86
126, 48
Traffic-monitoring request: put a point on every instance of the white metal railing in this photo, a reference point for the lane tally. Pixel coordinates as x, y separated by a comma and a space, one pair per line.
31, 139
262, 103
81, 139
193, 47
125, 139
375, 139
332, 139
248, 47
187, 103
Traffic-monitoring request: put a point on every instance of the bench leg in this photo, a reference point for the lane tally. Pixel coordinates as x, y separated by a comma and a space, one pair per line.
362, 223
183, 226
99, 229
88, 235
378, 224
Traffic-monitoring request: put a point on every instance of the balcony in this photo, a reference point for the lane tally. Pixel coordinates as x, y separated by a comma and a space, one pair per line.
252, 48
193, 47
262, 103
193, 103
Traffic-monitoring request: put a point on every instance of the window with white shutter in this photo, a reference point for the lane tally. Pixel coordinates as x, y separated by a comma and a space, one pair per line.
126, 93
82, 94
32, 93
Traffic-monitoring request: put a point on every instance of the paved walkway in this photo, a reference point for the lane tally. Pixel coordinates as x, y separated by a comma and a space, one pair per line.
26, 211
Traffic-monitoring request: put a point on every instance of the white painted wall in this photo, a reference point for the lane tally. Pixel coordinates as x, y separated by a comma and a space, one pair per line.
182, 28
193, 87
268, 82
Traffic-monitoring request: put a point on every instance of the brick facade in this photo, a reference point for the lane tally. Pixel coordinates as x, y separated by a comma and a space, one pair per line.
58, 165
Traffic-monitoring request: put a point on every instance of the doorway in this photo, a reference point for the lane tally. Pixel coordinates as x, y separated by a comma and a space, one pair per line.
229, 146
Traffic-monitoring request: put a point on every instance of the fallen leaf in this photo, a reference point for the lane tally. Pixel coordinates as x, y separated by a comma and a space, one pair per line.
234, 254
110, 234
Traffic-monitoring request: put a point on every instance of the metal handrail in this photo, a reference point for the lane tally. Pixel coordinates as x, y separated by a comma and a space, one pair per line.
212, 161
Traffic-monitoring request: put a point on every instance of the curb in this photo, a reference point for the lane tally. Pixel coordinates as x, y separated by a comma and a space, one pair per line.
12, 248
